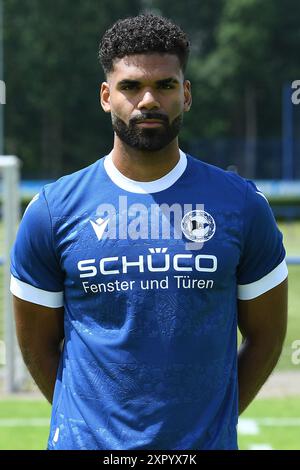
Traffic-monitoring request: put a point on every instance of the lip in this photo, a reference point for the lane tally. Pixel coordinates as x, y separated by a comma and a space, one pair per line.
150, 123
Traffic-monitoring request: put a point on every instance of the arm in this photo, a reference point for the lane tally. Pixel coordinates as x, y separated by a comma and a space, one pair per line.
40, 331
262, 322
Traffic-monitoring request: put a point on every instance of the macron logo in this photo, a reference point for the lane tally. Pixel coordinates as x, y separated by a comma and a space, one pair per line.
99, 226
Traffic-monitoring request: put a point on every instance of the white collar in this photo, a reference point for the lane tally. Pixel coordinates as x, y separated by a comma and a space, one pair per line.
145, 187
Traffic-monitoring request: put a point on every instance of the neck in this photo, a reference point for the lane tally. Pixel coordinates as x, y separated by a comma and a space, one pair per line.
142, 165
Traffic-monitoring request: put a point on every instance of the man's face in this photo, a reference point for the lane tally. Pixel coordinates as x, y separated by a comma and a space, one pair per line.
146, 95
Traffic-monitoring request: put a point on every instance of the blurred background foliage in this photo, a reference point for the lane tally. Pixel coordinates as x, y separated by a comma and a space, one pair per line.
243, 51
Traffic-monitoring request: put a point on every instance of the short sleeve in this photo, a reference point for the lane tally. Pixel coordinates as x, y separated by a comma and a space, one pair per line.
36, 275
262, 265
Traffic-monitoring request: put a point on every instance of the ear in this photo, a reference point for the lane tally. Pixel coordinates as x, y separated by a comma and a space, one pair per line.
187, 95
105, 97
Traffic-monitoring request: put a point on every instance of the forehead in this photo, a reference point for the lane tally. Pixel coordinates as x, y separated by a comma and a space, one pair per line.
146, 67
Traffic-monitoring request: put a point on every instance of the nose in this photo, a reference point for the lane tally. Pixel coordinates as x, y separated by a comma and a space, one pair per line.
148, 101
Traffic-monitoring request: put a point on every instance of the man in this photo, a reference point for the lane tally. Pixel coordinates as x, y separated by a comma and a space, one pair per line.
142, 264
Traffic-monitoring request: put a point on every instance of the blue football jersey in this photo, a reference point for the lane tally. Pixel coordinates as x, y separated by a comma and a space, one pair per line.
149, 274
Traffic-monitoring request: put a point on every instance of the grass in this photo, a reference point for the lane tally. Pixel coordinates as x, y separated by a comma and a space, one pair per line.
26, 436
281, 433
1, 300
293, 330
291, 236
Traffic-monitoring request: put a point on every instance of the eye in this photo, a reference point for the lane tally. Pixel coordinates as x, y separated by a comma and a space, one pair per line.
166, 86
129, 86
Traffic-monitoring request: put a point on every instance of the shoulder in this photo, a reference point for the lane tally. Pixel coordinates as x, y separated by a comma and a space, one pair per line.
62, 195
67, 183
227, 189
218, 180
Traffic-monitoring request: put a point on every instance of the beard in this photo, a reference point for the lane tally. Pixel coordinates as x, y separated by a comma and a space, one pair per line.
147, 139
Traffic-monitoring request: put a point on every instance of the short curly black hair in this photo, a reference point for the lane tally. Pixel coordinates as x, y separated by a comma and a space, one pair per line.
144, 33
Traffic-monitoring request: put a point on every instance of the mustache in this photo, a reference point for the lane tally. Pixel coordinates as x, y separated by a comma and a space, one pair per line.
153, 115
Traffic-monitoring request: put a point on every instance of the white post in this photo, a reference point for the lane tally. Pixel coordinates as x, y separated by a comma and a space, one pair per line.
10, 166
2, 98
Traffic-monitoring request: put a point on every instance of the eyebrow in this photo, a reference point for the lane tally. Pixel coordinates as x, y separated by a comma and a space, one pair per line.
164, 81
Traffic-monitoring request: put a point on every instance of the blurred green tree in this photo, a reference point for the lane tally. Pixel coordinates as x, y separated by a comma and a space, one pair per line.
242, 53
53, 117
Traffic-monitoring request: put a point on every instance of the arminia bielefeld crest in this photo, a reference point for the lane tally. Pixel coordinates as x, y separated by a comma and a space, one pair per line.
198, 226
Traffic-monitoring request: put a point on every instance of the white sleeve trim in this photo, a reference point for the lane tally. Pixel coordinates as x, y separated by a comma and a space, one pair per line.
37, 296
275, 277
